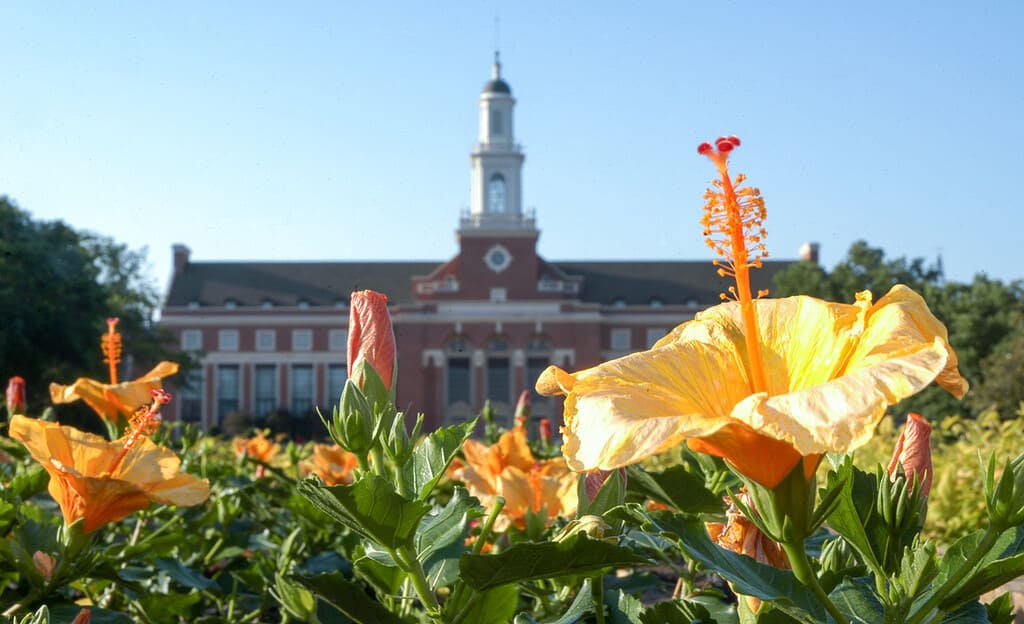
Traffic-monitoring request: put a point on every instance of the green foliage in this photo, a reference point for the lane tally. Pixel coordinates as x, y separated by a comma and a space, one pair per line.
49, 269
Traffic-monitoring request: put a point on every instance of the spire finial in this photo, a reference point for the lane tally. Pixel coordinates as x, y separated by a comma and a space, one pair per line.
496, 68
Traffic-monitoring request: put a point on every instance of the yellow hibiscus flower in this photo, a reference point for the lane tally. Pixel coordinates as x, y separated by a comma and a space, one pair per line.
333, 464
109, 400
508, 469
103, 481
764, 383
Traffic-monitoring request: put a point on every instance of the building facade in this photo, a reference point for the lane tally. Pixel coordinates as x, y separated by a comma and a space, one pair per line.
481, 326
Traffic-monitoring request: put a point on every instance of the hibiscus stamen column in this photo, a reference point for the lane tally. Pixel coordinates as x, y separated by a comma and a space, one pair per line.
144, 422
734, 228
111, 345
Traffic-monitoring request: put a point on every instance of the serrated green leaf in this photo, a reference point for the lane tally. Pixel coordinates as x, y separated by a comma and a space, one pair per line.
748, 576
970, 613
676, 612
581, 605
675, 487
1003, 562
1001, 610
524, 562
624, 609
431, 457
858, 602
494, 606
370, 507
386, 579
350, 598
853, 515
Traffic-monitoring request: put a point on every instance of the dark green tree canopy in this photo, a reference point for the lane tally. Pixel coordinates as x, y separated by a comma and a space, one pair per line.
57, 288
984, 319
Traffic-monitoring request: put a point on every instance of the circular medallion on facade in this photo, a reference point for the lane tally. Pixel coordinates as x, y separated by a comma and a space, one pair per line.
497, 258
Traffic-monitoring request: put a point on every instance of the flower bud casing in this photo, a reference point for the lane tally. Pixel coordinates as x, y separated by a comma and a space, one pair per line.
15, 396
371, 338
913, 452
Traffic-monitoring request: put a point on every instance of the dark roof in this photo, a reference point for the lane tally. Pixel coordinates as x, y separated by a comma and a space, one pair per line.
288, 283
670, 282
497, 86
326, 283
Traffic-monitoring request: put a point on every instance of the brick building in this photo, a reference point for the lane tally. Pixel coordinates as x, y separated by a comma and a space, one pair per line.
481, 326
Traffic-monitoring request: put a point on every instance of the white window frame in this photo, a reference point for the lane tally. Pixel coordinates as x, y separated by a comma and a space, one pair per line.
266, 340
621, 339
302, 340
191, 339
499, 294
654, 334
227, 340
337, 340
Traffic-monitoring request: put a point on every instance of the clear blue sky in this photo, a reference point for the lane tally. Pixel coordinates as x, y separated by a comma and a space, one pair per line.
342, 130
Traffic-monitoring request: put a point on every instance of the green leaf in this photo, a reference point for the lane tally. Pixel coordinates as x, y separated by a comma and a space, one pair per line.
625, 610
369, 507
350, 598
748, 576
183, 575
858, 602
494, 606
68, 612
441, 538
854, 515
525, 562
611, 494
1001, 610
386, 579
675, 487
431, 457
1001, 564
581, 605
676, 612
970, 613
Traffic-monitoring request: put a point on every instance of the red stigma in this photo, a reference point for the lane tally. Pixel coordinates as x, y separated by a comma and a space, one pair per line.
161, 396
704, 148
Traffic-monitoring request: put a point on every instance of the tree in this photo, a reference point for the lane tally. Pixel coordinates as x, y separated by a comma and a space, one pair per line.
980, 317
57, 288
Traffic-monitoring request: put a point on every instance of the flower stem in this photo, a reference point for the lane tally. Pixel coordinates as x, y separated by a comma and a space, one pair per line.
377, 456
407, 560
805, 574
597, 593
988, 539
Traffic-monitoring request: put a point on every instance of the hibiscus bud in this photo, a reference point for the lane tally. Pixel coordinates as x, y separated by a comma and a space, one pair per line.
595, 480
44, 564
913, 452
523, 409
545, 431
594, 526
371, 337
15, 396
83, 617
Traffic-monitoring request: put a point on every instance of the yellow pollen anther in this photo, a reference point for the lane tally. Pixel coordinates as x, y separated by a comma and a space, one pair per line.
144, 421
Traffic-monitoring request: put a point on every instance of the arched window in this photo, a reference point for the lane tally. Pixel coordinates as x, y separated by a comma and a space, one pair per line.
497, 197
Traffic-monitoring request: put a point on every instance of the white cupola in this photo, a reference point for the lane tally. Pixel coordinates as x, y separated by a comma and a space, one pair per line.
496, 193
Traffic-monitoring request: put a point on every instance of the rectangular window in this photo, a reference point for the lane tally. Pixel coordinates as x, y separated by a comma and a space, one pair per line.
497, 127
264, 390
227, 340
191, 340
499, 295
534, 367
228, 390
302, 390
337, 374
621, 339
654, 334
266, 339
499, 379
190, 396
337, 340
302, 339
459, 381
